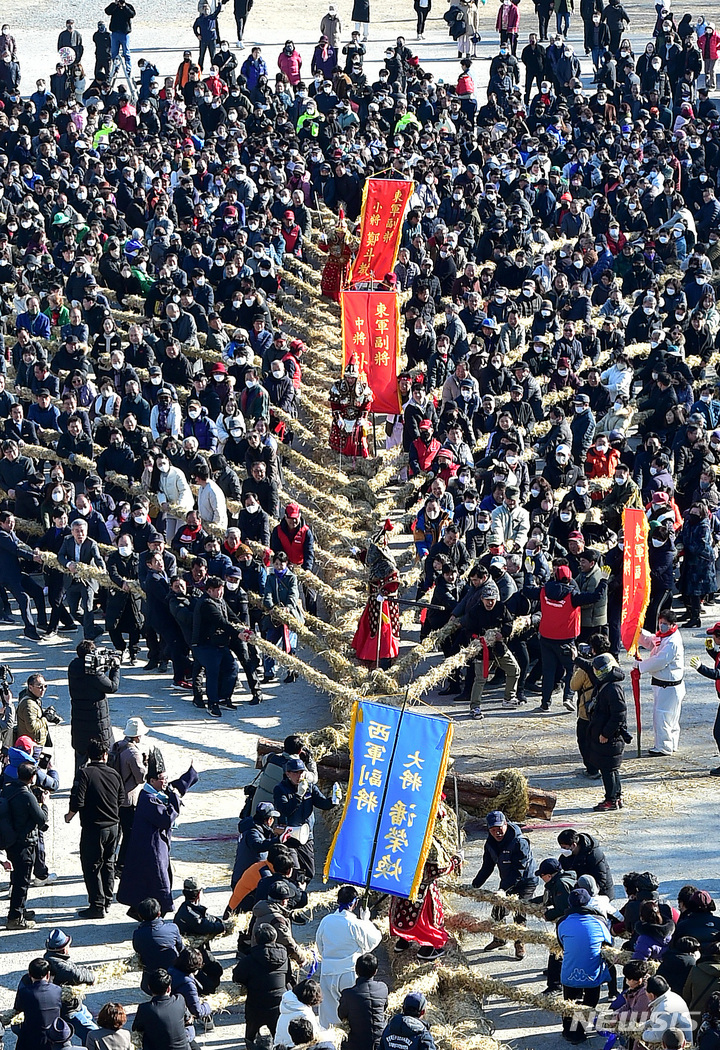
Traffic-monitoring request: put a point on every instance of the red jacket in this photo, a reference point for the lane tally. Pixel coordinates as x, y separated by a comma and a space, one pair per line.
709, 44
512, 19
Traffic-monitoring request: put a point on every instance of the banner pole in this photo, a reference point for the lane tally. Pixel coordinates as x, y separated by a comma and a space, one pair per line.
381, 807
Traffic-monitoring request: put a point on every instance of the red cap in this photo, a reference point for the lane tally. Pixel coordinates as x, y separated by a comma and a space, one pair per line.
231, 212
565, 197
715, 629
292, 510
26, 743
425, 424
289, 214
219, 367
563, 572
575, 535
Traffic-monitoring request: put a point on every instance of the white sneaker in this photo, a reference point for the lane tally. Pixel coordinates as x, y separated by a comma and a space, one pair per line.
240, 45
510, 703
52, 637
52, 877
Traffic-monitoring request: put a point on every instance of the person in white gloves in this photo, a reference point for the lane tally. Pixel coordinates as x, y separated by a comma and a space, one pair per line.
342, 937
666, 665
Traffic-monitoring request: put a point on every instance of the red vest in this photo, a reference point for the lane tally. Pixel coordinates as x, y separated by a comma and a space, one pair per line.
426, 453
293, 546
559, 620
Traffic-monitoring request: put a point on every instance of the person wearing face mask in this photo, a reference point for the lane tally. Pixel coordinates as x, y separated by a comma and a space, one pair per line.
581, 853
123, 612
582, 427
666, 666
174, 495
622, 494
253, 522
199, 425
697, 574
601, 462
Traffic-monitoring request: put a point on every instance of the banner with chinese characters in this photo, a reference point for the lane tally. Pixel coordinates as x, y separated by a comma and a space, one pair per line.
636, 576
398, 761
370, 329
383, 207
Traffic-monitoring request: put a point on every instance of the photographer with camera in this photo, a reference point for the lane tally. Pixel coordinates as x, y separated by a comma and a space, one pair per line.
47, 781
91, 676
21, 818
33, 719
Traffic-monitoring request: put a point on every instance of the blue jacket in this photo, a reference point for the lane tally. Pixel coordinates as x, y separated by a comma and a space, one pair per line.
40, 1003
582, 935
158, 944
184, 984
47, 779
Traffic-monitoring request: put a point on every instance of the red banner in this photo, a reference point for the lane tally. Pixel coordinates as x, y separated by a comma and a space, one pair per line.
636, 576
371, 327
384, 203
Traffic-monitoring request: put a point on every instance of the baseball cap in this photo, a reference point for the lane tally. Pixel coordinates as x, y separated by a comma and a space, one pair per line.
414, 1004
266, 809
295, 765
495, 819
549, 867
192, 885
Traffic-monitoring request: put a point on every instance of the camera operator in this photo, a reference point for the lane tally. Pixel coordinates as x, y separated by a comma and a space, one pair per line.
47, 781
91, 676
33, 719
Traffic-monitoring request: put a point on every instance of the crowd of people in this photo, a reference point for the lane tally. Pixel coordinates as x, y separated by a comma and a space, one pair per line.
557, 268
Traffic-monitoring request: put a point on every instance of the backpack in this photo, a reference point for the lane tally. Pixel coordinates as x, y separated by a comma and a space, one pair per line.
113, 759
8, 835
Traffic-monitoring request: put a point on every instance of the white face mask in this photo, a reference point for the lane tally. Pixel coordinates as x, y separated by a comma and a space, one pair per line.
193, 413
566, 853
657, 543
252, 508
125, 550
618, 406
470, 507
565, 515
58, 496
164, 468
139, 519
231, 585
581, 490
483, 526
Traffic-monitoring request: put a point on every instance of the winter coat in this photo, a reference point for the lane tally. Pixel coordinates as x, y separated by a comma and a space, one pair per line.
703, 926
30, 719
291, 1008
697, 575
652, 939
266, 973
557, 891
702, 981
39, 1001
675, 967
90, 713
582, 936
254, 841
363, 1006
122, 570
157, 943
590, 860
361, 11
147, 871
608, 718
290, 65
667, 1011
406, 1033
65, 971
513, 858
175, 490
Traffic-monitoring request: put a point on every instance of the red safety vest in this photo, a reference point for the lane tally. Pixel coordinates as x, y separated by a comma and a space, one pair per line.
559, 620
293, 545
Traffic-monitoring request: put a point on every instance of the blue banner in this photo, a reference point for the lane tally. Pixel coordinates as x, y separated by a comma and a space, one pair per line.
398, 761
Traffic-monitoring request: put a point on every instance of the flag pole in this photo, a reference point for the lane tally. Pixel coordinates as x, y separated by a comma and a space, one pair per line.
381, 807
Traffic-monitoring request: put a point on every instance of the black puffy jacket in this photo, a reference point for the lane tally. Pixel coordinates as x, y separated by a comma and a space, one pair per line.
363, 1006
590, 860
90, 713
265, 972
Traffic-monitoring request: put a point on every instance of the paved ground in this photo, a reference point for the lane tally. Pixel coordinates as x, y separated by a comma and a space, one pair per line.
671, 805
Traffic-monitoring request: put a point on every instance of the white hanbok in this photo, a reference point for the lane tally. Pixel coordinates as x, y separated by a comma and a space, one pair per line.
666, 665
341, 939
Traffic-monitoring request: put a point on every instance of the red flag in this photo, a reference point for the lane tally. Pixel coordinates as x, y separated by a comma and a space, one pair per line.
636, 576
384, 203
370, 327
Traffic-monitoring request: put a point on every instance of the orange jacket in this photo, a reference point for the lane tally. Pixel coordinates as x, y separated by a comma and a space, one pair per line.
247, 883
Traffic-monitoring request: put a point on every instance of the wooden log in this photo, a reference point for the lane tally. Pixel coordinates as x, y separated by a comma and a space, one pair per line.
473, 789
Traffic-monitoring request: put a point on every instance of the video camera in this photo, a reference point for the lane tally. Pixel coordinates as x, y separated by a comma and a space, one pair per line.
99, 661
6, 676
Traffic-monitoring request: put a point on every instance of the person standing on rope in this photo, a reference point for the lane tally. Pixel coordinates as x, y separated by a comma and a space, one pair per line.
508, 850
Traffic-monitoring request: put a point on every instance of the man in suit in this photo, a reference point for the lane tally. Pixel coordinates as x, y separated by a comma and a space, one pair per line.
78, 550
20, 585
39, 1002
19, 429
